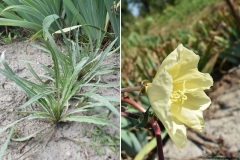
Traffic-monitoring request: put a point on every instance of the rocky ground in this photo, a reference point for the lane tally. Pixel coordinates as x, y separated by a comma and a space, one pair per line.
222, 124
70, 140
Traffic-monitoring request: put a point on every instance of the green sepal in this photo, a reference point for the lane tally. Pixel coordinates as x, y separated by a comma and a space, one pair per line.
143, 91
143, 120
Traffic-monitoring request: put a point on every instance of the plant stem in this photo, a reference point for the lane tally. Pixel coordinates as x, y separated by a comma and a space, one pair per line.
133, 103
130, 89
157, 131
151, 121
130, 115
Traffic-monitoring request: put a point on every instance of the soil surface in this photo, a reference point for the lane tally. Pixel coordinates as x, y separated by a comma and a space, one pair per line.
70, 140
222, 124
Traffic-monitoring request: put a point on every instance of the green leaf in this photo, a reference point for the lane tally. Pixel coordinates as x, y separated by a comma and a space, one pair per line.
20, 23
208, 68
34, 99
100, 85
147, 149
85, 108
114, 18
144, 120
12, 124
25, 9
90, 119
130, 143
102, 100
28, 137
5, 145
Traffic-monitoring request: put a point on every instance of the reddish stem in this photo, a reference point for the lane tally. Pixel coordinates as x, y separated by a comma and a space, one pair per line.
151, 121
130, 115
130, 89
133, 103
157, 130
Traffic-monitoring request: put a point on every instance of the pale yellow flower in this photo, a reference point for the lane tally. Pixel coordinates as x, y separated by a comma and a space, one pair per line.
176, 94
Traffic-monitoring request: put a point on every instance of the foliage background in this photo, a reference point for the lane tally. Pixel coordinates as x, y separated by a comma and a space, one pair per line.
209, 28
92, 35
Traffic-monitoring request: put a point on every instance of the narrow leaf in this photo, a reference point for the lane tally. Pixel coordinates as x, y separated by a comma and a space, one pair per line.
90, 119
4, 146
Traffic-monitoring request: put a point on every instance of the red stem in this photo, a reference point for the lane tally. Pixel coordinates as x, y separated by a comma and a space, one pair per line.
130, 115
133, 103
131, 89
152, 121
157, 130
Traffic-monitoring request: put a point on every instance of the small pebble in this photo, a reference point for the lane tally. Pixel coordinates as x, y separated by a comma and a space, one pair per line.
68, 154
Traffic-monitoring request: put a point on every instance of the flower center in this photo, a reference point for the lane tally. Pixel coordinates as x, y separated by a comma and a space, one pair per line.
179, 96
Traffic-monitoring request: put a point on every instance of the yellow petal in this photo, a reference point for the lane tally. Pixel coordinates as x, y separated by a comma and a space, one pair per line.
187, 60
175, 128
191, 112
186, 70
159, 93
178, 137
170, 60
197, 100
194, 80
179, 74
159, 96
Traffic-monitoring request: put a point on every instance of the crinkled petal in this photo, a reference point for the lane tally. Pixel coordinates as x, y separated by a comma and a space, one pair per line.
186, 70
179, 136
175, 128
187, 60
197, 100
170, 60
159, 93
194, 80
179, 73
191, 111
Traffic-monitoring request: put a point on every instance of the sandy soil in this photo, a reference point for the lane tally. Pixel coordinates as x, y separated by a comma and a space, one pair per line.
70, 140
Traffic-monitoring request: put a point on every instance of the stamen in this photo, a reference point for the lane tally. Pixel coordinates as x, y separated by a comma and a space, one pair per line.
179, 96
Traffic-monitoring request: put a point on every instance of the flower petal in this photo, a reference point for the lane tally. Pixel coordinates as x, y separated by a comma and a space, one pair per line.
197, 100
170, 60
194, 80
186, 70
179, 136
178, 75
159, 96
187, 60
159, 93
191, 112
175, 128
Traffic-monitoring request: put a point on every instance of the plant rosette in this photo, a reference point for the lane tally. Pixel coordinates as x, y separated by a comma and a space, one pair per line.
177, 95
